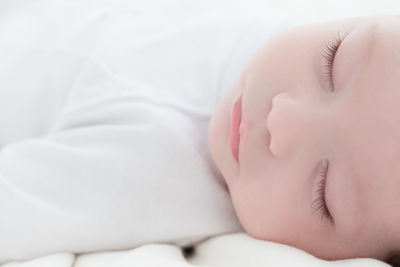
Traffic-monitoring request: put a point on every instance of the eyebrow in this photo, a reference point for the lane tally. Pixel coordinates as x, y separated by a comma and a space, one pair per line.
370, 39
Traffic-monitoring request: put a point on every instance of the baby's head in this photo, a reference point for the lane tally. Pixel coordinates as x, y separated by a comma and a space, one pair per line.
318, 101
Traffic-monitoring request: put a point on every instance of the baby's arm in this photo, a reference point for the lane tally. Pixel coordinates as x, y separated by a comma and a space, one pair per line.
112, 172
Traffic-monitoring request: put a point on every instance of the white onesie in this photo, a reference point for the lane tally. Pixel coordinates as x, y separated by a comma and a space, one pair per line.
104, 114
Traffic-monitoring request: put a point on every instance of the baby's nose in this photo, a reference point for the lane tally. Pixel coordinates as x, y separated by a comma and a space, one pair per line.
292, 123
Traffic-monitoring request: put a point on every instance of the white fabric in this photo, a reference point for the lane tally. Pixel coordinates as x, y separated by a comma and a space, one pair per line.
105, 113
233, 250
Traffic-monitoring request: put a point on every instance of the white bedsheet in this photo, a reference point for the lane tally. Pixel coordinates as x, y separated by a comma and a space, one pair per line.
233, 250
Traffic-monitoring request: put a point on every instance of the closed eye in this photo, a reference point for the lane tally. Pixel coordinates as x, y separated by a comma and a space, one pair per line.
328, 56
319, 205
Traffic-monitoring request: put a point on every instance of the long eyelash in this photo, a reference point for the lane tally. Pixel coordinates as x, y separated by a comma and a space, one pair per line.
328, 56
319, 203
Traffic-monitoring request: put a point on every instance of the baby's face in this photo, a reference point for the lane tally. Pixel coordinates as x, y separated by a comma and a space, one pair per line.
302, 122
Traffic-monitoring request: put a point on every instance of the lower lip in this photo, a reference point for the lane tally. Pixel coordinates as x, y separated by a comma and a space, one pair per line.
236, 118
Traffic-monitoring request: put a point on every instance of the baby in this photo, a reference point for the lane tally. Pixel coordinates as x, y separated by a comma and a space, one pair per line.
108, 149
308, 140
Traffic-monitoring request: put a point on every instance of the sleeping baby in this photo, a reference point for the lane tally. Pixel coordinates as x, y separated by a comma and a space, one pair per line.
105, 121
308, 140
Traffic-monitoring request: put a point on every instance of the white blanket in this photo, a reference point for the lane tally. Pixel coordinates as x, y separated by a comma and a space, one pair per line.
234, 250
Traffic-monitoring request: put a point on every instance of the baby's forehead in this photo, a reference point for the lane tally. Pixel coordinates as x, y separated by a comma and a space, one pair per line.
382, 75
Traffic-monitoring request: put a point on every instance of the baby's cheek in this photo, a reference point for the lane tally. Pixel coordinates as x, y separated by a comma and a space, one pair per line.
261, 216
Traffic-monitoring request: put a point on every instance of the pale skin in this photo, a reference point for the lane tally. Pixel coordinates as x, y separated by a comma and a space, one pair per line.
355, 128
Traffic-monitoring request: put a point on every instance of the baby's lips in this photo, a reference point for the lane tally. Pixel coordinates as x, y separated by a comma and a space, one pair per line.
236, 118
